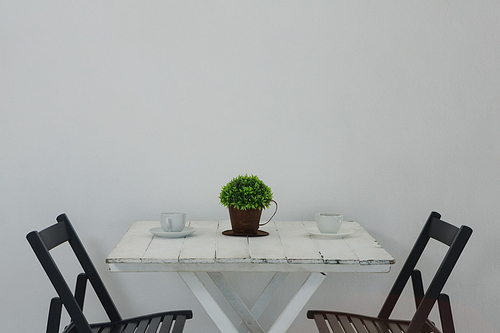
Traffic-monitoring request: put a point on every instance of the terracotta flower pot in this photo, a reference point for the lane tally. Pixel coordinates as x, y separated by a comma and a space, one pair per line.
245, 222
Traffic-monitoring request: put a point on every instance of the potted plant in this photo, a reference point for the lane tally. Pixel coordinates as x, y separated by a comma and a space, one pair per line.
245, 197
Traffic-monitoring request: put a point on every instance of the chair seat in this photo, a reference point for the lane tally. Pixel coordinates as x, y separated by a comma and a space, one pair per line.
342, 322
165, 322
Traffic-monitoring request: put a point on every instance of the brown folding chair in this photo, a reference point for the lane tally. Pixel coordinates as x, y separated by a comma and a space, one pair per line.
61, 232
437, 229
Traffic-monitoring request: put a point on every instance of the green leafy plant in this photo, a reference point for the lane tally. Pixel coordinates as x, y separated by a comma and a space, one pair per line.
245, 192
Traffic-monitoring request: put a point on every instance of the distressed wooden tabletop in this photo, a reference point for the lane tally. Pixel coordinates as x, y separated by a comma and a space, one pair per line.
289, 248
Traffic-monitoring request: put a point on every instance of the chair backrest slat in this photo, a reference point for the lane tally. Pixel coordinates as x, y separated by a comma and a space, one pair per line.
42, 242
456, 238
442, 231
54, 235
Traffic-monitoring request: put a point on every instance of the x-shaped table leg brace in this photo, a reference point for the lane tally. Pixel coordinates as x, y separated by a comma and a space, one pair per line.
249, 317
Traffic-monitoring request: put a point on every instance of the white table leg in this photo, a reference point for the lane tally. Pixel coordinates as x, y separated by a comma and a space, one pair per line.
265, 297
209, 304
296, 304
248, 317
236, 302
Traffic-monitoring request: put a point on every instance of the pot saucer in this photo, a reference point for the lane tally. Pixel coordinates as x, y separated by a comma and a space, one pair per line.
259, 233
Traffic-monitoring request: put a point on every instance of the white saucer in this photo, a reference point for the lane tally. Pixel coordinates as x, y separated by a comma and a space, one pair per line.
341, 234
172, 234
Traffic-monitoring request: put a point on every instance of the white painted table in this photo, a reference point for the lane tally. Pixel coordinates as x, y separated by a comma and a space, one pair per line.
288, 248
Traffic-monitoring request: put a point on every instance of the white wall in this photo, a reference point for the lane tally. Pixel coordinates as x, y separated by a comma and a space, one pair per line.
382, 110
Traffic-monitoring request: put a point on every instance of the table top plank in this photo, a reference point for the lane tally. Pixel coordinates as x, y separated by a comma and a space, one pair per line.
288, 248
267, 249
134, 243
201, 245
368, 250
298, 246
231, 249
164, 250
334, 251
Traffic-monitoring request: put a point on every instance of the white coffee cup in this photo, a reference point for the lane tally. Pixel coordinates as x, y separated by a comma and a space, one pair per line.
328, 223
173, 222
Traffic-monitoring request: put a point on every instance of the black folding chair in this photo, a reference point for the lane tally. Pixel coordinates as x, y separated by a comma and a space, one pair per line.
44, 241
437, 229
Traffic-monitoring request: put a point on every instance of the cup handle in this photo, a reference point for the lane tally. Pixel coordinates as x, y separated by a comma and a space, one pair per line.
168, 223
261, 224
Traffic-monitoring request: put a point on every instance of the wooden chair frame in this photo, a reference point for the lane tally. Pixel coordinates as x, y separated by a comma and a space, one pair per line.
439, 230
44, 241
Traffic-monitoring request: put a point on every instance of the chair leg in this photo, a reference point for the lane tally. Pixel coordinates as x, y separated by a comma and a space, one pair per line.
418, 286
81, 286
418, 291
445, 314
54, 320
